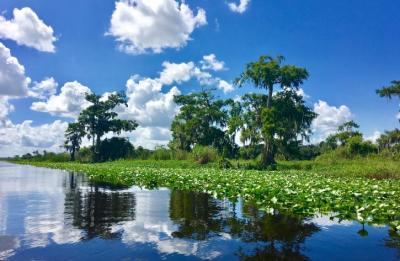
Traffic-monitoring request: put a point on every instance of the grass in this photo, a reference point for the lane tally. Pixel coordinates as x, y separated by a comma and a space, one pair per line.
349, 190
373, 168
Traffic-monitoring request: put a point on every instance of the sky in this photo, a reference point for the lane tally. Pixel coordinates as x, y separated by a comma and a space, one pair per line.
53, 52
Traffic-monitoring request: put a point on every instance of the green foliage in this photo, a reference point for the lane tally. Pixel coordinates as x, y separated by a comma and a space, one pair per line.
162, 153
390, 142
200, 122
390, 91
85, 155
249, 152
73, 138
347, 143
224, 164
36, 156
356, 146
141, 153
204, 154
100, 118
265, 74
115, 148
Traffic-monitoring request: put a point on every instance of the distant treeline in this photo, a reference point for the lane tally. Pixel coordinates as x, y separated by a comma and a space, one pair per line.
275, 125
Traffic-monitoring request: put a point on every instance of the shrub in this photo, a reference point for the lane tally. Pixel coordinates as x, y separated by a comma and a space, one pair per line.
204, 154
141, 153
224, 164
84, 155
356, 146
115, 148
180, 155
161, 153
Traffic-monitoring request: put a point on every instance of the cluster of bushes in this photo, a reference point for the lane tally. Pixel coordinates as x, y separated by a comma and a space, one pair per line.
44, 156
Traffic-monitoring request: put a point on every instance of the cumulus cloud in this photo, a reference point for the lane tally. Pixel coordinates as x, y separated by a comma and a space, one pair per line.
225, 86
142, 26
239, 8
329, 118
374, 137
210, 62
44, 89
150, 137
5, 109
22, 138
68, 103
148, 104
26, 28
13, 81
176, 72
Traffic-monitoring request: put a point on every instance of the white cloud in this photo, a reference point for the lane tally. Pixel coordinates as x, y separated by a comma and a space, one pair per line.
149, 137
239, 8
225, 86
22, 138
26, 28
176, 72
13, 81
183, 72
5, 109
141, 26
44, 89
148, 104
68, 103
301, 93
210, 62
374, 137
329, 118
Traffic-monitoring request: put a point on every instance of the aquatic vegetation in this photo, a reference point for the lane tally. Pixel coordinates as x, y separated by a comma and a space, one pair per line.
303, 193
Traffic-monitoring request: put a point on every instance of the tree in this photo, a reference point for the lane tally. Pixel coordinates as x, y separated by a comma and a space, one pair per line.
200, 121
390, 91
293, 122
389, 140
73, 138
266, 73
346, 131
115, 148
99, 119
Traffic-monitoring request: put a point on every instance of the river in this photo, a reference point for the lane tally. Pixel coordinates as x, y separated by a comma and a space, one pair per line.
50, 214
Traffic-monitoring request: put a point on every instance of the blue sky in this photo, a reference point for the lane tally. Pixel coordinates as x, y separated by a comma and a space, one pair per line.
350, 49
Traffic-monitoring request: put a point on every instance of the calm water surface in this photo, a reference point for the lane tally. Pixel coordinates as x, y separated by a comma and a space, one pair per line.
55, 215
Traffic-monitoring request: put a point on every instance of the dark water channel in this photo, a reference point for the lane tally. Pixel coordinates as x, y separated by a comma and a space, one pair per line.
55, 215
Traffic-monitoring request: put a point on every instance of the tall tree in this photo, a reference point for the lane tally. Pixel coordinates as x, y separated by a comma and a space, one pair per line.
266, 73
346, 131
100, 118
390, 91
293, 122
73, 138
200, 121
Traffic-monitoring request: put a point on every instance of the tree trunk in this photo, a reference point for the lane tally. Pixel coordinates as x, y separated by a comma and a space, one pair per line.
73, 154
268, 153
97, 153
270, 92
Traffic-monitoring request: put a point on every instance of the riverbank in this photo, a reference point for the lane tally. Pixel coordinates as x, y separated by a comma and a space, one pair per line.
300, 192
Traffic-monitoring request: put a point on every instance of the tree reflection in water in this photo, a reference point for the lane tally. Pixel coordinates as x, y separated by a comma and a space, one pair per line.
95, 209
270, 237
394, 241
